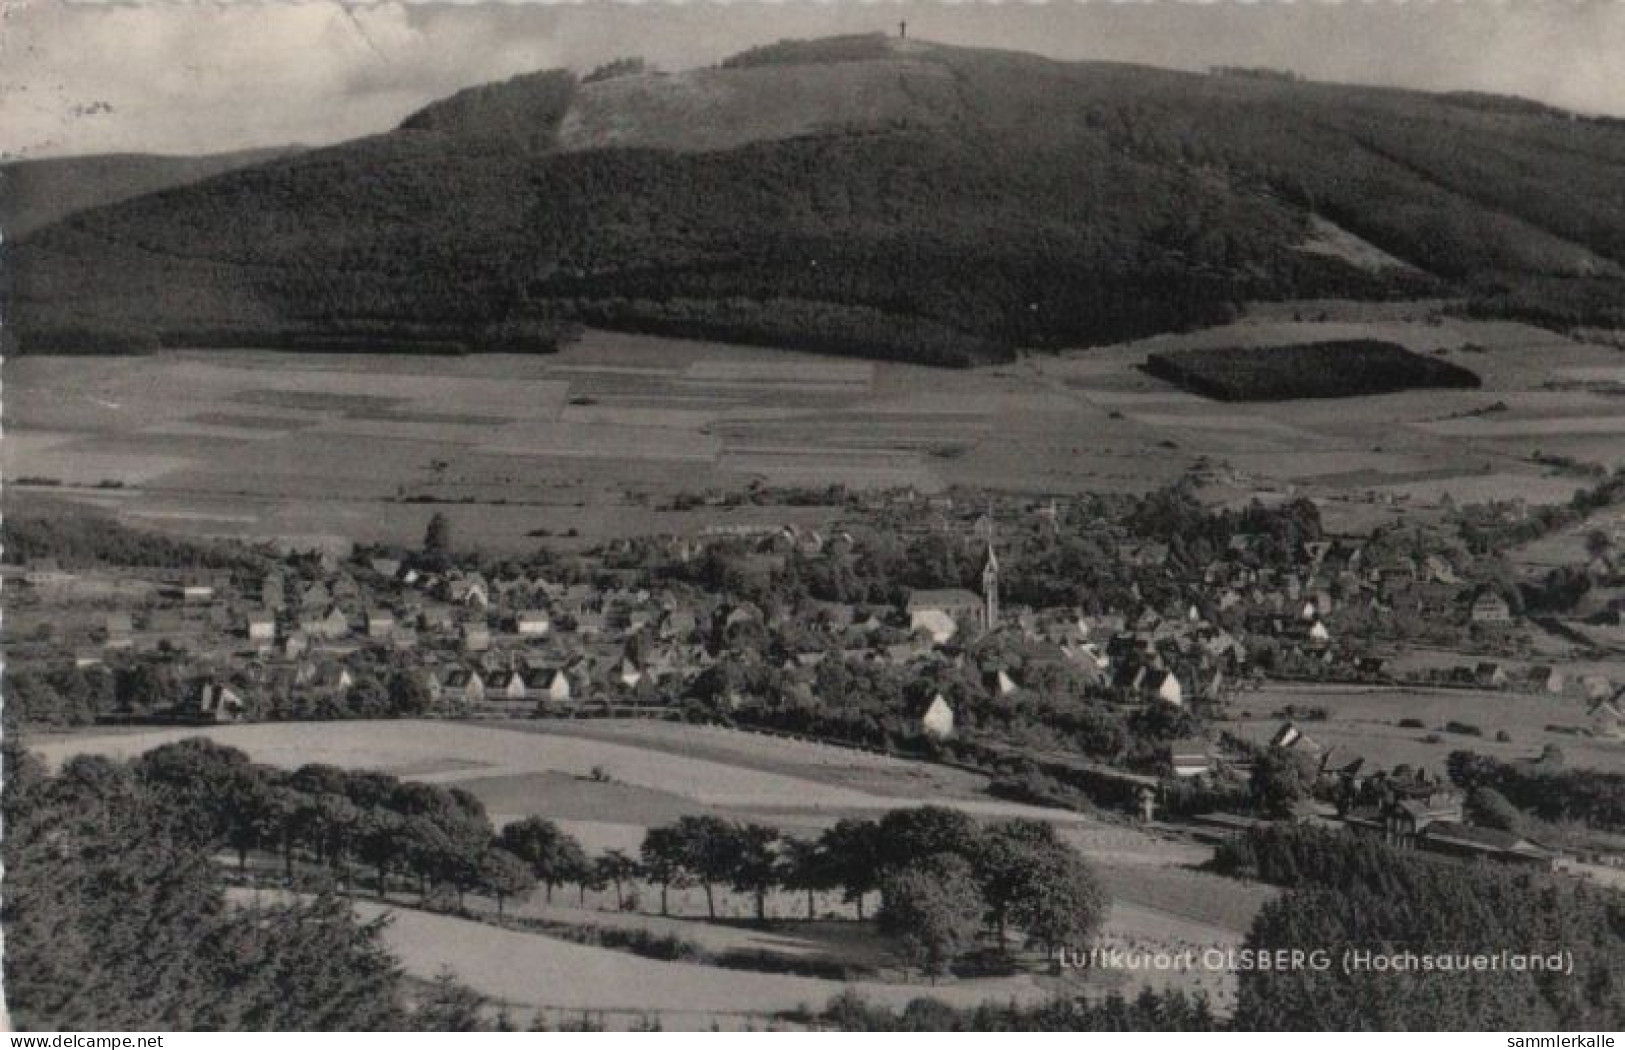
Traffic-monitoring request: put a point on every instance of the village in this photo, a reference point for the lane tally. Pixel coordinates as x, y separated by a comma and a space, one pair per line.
1156, 680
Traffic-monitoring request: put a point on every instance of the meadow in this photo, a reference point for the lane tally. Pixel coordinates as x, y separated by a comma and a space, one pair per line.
594, 441
1363, 721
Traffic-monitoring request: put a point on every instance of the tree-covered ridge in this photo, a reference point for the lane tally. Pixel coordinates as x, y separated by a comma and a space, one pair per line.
1046, 203
1354, 894
36, 193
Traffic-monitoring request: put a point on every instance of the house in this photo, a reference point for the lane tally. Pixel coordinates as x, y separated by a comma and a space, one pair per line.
937, 624
1164, 686
380, 623
120, 631
192, 590
1470, 842
332, 678
936, 719
345, 589
553, 686
532, 623
1607, 721
1412, 813
329, 625
436, 618
1544, 679
1291, 738
294, 645
1596, 687
1490, 675
45, 572
505, 685
462, 685
999, 683
1490, 607
628, 675
211, 701
261, 627
471, 590
1189, 757
476, 638
939, 612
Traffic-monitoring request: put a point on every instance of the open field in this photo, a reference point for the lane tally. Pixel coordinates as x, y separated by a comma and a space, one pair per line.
595, 438
1362, 721
533, 970
465, 754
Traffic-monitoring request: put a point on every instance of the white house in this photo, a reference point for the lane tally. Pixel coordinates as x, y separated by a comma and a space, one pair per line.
505, 685
937, 721
463, 685
1164, 686
553, 685
261, 627
936, 623
532, 623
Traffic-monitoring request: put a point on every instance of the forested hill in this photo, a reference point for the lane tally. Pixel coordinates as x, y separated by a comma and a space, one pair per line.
36, 193
854, 195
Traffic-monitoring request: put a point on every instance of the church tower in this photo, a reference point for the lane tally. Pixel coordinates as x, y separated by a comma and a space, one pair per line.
990, 590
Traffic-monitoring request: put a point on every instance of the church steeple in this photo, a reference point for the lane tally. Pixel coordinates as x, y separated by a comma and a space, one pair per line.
990, 589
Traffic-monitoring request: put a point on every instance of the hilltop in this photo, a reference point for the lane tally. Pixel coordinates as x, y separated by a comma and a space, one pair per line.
855, 195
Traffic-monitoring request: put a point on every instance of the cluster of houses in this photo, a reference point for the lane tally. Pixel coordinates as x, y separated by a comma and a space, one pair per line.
501, 640
1405, 807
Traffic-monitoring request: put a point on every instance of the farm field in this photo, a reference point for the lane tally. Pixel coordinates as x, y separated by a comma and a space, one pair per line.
1362, 721
1568, 547
535, 971
532, 970
589, 443
457, 752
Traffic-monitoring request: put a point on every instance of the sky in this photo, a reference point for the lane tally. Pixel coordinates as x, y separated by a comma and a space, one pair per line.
173, 76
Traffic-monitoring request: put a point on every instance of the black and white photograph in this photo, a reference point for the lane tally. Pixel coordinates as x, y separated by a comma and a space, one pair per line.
833, 517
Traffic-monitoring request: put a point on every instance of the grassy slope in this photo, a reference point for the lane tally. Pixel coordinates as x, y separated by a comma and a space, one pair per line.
934, 204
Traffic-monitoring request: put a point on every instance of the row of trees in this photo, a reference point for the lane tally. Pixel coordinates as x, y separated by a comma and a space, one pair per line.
944, 880
80, 537
1590, 797
153, 684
